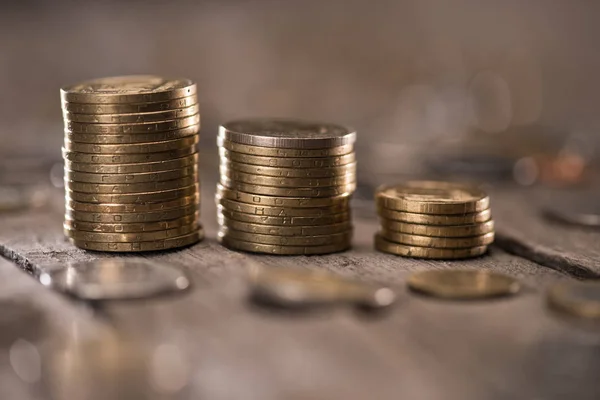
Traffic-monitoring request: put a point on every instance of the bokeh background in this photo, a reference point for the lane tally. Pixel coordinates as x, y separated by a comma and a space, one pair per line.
418, 79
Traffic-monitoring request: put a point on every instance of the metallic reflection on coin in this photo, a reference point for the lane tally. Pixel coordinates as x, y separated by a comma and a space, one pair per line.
573, 215
113, 279
298, 288
581, 299
463, 284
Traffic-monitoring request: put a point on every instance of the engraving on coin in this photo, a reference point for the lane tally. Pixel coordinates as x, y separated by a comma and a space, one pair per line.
438, 242
280, 211
135, 138
426, 252
290, 182
131, 129
331, 172
132, 118
129, 108
132, 187
274, 201
133, 198
432, 219
284, 152
101, 227
156, 245
77, 157
161, 176
233, 235
156, 166
132, 148
463, 284
284, 221
439, 231
291, 192
283, 250
131, 208
123, 218
290, 162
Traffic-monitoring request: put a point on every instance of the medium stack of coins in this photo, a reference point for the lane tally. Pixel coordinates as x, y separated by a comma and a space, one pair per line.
285, 186
435, 220
130, 155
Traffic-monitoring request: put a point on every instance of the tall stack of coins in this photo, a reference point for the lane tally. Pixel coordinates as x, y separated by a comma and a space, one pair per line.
435, 220
130, 155
285, 186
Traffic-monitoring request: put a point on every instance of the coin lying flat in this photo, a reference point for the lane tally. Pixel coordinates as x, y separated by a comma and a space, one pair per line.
431, 219
129, 129
284, 152
331, 172
280, 211
128, 89
131, 208
282, 133
437, 242
430, 197
132, 118
134, 198
321, 240
133, 168
132, 187
123, 218
331, 191
129, 108
288, 162
111, 279
283, 250
156, 245
160, 176
289, 182
284, 230
439, 230
569, 215
130, 237
132, 148
77, 157
581, 299
275, 201
130, 227
135, 138
426, 252
463, 284
284, 221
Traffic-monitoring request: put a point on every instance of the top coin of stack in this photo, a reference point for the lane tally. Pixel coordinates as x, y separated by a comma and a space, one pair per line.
436, 220
285, 186
131, 175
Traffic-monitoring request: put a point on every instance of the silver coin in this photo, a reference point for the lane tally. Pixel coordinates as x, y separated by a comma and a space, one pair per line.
114, 279
283, 133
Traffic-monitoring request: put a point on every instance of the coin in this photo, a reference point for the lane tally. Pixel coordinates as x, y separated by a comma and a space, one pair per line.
132, 187
131, 208
127, 89
322, 240
331, 172
131, 227
133, 198
280, 211
131, 129
135, 148
281, 162
133, 168
130, 237
273, 201
120, 218
437, 242
585, 218
430, 197
290, 182
284, 221
283, 152
127, 158
431, 219
581, 299
130, 178
156, 245
284, 230
132, 118
129, 108
426, 252
134, 138
463, 284
282, 133
289, 192
283, 250
440, 231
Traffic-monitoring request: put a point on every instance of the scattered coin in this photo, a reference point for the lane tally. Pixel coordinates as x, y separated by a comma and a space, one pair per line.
581, 299
426, 252
463, 284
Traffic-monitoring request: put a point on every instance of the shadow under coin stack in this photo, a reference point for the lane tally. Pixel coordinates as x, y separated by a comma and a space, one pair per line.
435, 220
285, 186
130, 155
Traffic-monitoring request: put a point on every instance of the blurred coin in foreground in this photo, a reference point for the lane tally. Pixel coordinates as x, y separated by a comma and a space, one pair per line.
581, 299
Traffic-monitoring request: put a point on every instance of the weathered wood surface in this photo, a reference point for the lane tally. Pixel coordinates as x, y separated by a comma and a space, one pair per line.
218, 346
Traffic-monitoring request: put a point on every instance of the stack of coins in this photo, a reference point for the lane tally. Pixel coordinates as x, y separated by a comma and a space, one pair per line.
130, 155
285, 186
435, 220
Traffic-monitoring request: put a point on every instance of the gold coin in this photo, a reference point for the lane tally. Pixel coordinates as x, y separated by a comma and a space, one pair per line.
77, 157
124, 218
284, 230
440, 231
130, 237
131, 208
306, 173
282, 162
437, 242
273, 201
130, 108
290, 182
284, 221
155, 245
135, 148
131, 118
289, 192
132, 187
461, 284
581, 299
161, 176
133, 168
128, 89
280, 211
129, 129
431, 219
430, 197
282, 152
426, 252
283, 250
131, 227
233, 235
94, 138
133, 198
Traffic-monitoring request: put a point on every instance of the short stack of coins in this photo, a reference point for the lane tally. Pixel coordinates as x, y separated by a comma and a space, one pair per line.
285, 186
434, 220
131, 178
